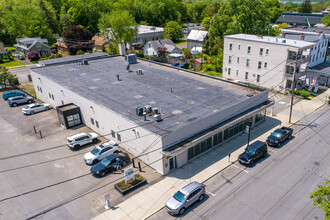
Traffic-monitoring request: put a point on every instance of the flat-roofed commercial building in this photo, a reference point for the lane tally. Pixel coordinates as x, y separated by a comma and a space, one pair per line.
198, 112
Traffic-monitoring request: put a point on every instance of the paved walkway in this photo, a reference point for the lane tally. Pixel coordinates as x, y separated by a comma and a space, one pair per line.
148, 201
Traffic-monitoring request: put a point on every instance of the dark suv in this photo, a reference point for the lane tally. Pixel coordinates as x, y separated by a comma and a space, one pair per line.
252, 153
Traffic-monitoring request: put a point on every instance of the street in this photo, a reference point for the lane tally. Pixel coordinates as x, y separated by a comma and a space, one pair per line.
278, 187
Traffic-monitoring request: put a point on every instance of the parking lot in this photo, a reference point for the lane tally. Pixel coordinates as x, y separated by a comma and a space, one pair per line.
42, 177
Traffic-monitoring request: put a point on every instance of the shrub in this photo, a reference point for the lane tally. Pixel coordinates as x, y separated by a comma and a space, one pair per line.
54, 51
33, 56
123, 186
140, 54
58, 55
305, 94
80, 52
218, 69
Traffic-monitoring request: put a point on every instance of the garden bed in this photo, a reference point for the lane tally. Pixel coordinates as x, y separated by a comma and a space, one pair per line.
124, 188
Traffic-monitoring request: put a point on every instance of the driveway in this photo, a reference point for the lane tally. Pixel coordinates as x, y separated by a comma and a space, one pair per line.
41, 177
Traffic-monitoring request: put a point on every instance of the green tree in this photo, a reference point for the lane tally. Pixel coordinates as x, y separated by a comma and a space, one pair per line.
305, 7
326, 20
7, 78
80, 52
206, 23
27, 21
112, 48
321, 198
64, 19
119, 25
275, 9
173, 31
50, 15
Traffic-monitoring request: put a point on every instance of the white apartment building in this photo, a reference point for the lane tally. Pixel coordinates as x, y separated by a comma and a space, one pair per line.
264, 61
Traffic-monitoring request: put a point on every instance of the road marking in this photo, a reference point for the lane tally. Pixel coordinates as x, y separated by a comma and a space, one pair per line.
272, 150
241, 168
210, 193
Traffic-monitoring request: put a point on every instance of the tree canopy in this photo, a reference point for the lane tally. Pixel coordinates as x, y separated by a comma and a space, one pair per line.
173, 31
321, 198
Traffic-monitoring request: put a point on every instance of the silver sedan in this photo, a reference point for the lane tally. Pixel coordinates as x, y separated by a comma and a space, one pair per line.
36, 107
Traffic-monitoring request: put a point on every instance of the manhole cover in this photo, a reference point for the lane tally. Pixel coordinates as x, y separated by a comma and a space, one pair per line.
281, 103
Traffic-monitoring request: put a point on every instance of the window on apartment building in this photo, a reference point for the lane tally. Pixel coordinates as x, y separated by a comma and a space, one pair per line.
230, 46
40, 89
267, 51
97, 124
237, 59
113, 134
229, 59
92, 121
246, 75
258, 78
249, 49
53, 97
50, 96
118, 137
265, 65
247, 62
236, 72
62, 102
239, 47
261, 51
229, 70
259, 64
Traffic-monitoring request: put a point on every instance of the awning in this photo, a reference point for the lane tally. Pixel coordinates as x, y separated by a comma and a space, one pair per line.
175, 55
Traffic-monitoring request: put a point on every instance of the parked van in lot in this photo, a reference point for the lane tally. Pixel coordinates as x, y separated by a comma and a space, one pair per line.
10, 94
252, 153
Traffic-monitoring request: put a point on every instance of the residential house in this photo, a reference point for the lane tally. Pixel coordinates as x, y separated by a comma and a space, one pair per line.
319, 50
265, 61
100, 42
196, 40
64, 45
26, 45
303, 19
147, 33
151, 48
318, 75
3, 52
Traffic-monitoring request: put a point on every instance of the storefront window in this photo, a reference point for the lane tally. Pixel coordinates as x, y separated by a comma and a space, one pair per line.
191, 153
209, 143
260, 116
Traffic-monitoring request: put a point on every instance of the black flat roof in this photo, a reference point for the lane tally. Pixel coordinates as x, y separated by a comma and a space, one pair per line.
183, 97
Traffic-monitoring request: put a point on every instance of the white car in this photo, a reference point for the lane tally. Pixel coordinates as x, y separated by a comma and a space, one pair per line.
34, 108
101, 151
76, 141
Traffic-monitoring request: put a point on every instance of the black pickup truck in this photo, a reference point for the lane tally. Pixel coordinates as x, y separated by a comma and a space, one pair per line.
279, 136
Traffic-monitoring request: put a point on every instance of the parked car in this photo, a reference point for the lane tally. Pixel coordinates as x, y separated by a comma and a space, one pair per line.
184, 65
75, 142
279, 136
184, 198
20, 57
175, 64
101, 151
34, 108
14, 101
109, 164
252, 153
10, 94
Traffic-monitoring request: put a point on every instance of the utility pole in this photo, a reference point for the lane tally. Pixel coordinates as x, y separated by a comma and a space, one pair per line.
293, 85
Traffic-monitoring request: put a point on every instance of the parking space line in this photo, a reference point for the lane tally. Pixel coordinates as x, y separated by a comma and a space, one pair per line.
210, 193
241, 168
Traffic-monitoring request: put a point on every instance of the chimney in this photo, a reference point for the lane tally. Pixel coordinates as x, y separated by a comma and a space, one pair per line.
302, 37
320, 32
283, 34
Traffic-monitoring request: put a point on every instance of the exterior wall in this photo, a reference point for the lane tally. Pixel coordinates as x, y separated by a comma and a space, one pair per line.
137, 141
270, 76
194, 43
195, 128
146, 37
319, 52
149, 50
42, 50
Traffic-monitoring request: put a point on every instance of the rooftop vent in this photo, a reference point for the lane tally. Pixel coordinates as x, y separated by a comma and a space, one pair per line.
139, 72
85, 62
283, 41
131, 58
158, 118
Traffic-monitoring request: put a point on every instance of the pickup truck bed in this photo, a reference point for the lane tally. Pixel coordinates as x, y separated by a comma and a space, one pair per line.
279, 136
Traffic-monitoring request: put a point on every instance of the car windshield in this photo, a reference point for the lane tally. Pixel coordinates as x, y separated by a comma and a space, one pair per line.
105, 161
95, 151
27, 107
250, 150
180, 196
276, 134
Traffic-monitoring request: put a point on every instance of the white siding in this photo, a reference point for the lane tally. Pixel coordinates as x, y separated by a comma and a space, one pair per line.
319, 52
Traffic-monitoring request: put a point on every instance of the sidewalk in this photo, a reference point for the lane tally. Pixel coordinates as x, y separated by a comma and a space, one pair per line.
150, 200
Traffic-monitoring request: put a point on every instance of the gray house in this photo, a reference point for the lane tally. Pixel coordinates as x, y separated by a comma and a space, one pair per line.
26, 45
3, 52
196, 40
151, 48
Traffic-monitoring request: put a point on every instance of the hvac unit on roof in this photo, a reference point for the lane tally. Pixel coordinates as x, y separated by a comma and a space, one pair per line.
139, 72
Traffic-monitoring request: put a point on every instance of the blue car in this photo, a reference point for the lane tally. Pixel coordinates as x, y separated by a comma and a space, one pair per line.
10, 94
176, 64
184, 65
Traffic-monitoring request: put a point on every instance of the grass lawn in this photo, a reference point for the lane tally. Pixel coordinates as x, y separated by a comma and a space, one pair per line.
213, 73
10, 48
8, 63
28, 87
181, 43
